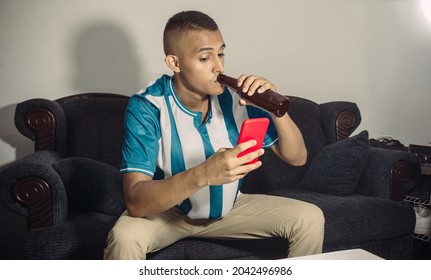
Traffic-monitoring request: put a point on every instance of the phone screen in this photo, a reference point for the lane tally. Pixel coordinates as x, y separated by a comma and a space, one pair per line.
253, 129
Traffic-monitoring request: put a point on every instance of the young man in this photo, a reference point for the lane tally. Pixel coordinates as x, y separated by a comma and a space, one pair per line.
187, 125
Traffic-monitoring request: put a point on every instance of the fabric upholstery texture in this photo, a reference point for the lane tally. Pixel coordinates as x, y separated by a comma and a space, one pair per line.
83, 236
339, 166
347, 215
95, 129
306, 115
91, 185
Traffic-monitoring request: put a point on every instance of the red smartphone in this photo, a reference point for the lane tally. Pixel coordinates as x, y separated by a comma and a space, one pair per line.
253, 129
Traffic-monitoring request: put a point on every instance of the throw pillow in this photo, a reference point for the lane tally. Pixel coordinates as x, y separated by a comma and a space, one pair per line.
336, 169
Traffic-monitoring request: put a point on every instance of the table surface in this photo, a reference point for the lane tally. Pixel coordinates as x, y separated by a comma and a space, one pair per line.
352, 254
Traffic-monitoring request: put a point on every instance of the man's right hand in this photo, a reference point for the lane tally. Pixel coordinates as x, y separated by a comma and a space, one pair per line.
225, 166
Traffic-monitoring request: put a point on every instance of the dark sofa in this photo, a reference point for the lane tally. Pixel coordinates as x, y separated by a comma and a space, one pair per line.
68, 193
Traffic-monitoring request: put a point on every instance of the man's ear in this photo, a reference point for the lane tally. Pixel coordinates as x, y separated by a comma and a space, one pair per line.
173, 62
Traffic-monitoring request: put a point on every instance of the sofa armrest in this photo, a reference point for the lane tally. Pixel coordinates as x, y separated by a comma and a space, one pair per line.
31, 188
44, 122
339, 119
389, 174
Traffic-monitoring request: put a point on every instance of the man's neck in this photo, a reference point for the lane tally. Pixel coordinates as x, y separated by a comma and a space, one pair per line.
193, 101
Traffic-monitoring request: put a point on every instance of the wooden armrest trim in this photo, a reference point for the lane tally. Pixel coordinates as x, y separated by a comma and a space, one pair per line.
344, 124
35, 194
42, 121
401, 173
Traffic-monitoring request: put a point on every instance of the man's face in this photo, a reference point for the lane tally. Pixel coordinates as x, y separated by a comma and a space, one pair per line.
201, 59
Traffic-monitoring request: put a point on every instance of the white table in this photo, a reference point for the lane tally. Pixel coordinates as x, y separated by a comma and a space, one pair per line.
352, 254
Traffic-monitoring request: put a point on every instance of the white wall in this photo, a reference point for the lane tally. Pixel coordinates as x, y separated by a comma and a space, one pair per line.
376, 53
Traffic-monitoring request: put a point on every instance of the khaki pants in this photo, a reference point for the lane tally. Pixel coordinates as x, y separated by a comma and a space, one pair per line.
252, 217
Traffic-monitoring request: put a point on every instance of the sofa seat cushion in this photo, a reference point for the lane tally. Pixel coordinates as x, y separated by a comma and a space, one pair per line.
357, 219
222, 249
81, 237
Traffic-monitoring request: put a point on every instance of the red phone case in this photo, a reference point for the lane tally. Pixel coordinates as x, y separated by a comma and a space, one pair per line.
253, 129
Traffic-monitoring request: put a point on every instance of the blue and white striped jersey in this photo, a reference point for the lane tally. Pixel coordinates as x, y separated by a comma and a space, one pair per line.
160, 131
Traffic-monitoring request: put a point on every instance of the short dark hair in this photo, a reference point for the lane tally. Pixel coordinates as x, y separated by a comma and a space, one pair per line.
183, 22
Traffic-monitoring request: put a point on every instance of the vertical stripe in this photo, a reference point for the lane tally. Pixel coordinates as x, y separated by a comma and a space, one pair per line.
186, 206
216, 202
177, 158
192, 152
226, 105
216, 192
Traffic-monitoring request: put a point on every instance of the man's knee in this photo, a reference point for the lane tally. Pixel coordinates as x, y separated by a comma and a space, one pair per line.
316, 213
124, 243
311, 216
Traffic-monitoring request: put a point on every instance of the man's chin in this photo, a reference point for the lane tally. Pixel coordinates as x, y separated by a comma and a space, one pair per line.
215, 93
220, 89
218, 92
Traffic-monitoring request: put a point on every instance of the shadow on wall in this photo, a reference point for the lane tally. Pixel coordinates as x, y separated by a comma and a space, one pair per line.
13, 144
104, 60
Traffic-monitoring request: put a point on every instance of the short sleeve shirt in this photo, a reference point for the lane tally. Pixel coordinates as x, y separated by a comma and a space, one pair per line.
161, 132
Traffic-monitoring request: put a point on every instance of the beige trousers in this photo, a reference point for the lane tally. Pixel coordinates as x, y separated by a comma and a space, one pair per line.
252, 217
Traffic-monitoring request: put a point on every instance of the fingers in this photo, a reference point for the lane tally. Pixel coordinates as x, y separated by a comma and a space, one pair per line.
225, 166
247, 168
252, 84
247, 152
244, 146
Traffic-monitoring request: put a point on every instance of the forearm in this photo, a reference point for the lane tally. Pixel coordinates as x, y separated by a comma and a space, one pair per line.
290, 146
149, 197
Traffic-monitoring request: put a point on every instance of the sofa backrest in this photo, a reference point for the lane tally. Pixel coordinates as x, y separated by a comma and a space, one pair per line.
95, 128
306, 115
274, 173
91, 125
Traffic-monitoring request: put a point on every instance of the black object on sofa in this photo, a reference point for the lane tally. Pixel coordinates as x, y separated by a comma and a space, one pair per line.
69, 190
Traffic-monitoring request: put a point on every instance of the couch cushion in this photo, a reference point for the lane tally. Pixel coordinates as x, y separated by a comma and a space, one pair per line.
336, 169
223, 249
81, 237
357, 219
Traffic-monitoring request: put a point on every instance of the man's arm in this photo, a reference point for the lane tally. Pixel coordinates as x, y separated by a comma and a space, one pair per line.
146, 197
290, 146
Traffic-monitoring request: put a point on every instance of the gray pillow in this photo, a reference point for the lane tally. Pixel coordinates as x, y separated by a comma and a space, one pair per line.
337, 167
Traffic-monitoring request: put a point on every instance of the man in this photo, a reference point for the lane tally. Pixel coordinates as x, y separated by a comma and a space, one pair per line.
187, 125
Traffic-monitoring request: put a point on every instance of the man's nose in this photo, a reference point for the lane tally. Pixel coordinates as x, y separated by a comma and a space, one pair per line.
219, 67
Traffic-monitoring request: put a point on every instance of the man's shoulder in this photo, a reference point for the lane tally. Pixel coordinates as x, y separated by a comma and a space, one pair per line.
157, 88
153, 93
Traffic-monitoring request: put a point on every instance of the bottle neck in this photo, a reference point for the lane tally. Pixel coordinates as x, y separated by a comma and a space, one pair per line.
229, 81
269, 100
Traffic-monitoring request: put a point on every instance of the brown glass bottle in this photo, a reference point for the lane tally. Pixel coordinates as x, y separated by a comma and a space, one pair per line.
269, 100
